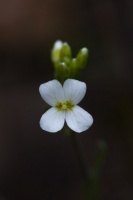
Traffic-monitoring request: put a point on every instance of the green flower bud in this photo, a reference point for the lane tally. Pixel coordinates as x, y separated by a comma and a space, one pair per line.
66, 66
65, 51
55, 54
61, 71
82, 58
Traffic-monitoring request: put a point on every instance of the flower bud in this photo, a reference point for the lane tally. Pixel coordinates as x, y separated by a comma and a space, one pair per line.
55, 54
82, 58
65, 51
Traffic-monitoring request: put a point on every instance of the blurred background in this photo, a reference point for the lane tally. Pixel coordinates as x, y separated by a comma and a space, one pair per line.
37, 165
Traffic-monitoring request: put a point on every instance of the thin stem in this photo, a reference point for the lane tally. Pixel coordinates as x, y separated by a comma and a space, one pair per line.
79, 156
91, 175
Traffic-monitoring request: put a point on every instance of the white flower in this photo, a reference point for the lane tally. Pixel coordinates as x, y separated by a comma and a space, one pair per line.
64, 100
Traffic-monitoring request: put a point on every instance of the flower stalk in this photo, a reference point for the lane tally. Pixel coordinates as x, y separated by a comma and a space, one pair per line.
80, 157
91, 176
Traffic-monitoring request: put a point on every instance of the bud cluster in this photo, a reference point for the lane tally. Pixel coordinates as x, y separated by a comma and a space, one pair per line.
66, 66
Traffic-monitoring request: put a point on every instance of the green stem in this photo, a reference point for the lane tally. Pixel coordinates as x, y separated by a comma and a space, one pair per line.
91, 175
80, 156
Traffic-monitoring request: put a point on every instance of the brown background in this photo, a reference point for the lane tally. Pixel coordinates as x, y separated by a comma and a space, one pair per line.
37, 165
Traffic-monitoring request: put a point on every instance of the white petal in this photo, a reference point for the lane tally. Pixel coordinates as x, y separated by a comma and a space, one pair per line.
78, 119
52, 120
74, 90
52, 92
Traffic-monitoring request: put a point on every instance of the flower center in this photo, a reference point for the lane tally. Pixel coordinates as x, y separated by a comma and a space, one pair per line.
67, 105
